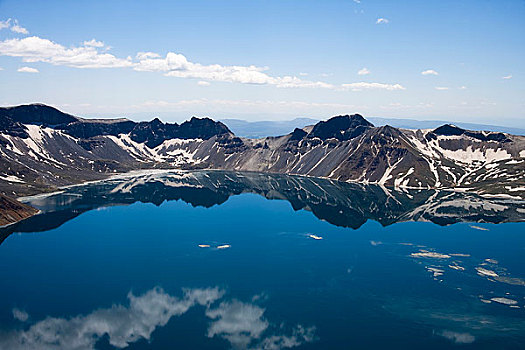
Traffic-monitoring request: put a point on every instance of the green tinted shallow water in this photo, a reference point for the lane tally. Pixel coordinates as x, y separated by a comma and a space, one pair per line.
205, 260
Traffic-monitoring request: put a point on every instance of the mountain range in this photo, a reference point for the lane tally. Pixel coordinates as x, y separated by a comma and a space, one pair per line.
42, 149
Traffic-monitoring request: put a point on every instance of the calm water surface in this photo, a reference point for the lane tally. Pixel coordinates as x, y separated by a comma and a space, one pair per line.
206, 261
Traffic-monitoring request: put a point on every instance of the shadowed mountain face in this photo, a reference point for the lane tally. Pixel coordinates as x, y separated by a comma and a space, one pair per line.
341, 128
37, 114
152, 133
339, 203
42, 149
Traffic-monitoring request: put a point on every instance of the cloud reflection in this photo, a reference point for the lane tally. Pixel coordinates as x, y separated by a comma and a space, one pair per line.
456, 337
242, 324
238, 322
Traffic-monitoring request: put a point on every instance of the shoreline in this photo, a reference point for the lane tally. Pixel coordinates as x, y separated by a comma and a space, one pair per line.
154, 171
141, 172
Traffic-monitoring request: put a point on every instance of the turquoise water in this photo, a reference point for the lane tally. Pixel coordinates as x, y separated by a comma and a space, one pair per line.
90, 272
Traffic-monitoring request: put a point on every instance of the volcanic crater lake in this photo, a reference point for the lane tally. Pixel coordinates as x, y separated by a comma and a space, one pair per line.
219, 260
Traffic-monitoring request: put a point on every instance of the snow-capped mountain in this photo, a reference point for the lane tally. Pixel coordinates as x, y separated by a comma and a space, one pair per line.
42, 148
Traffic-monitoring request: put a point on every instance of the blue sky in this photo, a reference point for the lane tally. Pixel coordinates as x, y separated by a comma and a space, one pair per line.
267, 60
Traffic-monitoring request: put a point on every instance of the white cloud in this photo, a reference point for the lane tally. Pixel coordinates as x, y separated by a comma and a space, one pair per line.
463, 87
487, 103
363, 71
429, 72
18, 29
303, 74
13, 25
35, 49
441, 88
177, 65
372, 86
382, 21
396, 106
146, 55
1, 68
507, 77
5, 24
27, 70
93, 43
203, 83
357, 1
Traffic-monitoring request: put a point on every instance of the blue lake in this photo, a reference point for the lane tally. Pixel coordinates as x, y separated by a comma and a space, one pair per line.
217, 260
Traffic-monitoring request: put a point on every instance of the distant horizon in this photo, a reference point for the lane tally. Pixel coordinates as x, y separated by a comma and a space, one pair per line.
180, 116
407, 123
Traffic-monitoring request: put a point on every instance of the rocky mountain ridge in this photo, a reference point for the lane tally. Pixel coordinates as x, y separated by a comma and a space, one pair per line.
42, 149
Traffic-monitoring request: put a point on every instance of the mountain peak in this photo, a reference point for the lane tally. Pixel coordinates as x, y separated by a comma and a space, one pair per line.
452, 130
448, 130
202, 128
37, 114
342, 127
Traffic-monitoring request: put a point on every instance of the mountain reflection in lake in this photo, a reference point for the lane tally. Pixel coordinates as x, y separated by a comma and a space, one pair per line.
381, 268
339, 203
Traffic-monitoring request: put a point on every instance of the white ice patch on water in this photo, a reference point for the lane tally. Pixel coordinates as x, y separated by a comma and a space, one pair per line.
315, 237
504, 301
479, 228
456, 267
486, 273
435, 271
427, 254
